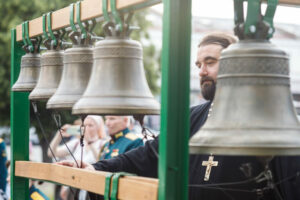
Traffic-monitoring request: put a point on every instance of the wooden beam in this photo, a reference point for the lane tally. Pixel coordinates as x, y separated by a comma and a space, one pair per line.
130, 187
290, 2
89, 9
92, 9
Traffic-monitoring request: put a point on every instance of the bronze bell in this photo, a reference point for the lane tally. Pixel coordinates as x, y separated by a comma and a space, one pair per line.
29, 72
253, 112
50, 74
78, 62
118, 85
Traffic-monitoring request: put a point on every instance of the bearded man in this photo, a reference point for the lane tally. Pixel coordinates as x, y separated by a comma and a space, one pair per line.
231, 177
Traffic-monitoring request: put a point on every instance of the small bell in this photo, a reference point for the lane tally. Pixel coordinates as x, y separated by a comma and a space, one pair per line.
29, 72
78, 62
50, 73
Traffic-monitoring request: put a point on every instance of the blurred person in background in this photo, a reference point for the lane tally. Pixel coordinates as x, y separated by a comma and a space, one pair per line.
122, 140
3, 169
94, 139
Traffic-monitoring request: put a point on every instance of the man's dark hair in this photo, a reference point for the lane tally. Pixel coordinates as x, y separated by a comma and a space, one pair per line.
222, 39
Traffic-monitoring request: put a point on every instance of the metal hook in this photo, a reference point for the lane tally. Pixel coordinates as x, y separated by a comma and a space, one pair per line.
57, 119
269, 15
253, 16
31, 48
104, 10
93, 25
238, 12
72, 17
116, 14
83, 31
50, 28
23, 34
44, 27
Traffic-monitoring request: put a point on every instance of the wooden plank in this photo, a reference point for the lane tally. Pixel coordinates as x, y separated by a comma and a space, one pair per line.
290, 2
89, 9
92, 9
94, 181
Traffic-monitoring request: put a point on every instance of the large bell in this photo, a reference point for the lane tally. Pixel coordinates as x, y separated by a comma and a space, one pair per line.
118, 84
29, 73
253, 112
50, 74
78, 62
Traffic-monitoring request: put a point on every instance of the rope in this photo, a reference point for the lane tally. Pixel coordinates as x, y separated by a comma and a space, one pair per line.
58, 125
36, 113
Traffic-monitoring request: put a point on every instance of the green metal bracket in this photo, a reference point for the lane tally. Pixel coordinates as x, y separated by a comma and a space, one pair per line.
175, 129
93, 25
238, 12
107, 185
72, 17
269, 16
50, 28
253, 16
256, 25
116, 14
23, 34
44, 27
30, 45
78, 10
104, 10
115, 183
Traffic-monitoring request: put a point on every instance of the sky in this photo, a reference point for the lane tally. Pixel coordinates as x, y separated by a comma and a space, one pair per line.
224, 9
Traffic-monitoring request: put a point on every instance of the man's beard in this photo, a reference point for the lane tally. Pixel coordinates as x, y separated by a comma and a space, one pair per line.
208, 88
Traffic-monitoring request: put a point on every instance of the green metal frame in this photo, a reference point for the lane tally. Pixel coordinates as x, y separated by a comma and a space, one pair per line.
173, 144
19, 123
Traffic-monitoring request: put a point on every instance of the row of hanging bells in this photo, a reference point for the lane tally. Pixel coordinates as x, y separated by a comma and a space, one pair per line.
106, 79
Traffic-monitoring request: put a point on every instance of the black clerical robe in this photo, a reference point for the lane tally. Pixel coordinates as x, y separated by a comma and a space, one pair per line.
233, 178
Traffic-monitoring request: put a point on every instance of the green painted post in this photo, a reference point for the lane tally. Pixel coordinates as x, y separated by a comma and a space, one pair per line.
173, 144
19, 124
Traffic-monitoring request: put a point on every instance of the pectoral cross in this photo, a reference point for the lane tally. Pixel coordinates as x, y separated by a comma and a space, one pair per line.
209, 164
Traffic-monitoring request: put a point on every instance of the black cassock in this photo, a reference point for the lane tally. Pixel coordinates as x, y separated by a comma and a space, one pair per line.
233, 178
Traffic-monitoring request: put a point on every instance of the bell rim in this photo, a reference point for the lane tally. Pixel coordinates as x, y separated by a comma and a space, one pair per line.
116, 111
245, 151
23, 87
59, 107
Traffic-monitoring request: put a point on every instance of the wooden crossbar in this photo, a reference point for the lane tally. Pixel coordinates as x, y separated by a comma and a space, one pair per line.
290, 2
130, 187
89, 9
92, 9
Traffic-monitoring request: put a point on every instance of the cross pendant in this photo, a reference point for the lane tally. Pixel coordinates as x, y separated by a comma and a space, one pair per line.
209, 164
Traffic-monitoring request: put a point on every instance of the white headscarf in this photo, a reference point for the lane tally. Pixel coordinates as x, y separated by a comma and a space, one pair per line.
100, 124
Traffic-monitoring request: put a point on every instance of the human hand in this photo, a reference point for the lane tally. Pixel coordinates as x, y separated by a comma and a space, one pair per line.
64, 130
